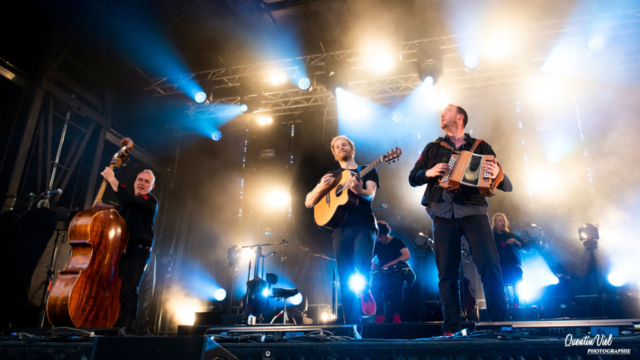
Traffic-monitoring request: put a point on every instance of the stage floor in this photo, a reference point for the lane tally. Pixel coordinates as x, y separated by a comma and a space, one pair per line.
513, 340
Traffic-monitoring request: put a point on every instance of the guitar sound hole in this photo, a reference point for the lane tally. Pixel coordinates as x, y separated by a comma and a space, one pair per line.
339, 190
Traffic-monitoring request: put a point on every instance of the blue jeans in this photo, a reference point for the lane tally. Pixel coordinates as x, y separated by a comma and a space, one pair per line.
131, 269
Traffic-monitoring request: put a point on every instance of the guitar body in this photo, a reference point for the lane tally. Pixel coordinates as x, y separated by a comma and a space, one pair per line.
335, 205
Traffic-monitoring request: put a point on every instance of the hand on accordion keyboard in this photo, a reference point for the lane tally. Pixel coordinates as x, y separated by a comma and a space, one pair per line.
438, 170
492, 169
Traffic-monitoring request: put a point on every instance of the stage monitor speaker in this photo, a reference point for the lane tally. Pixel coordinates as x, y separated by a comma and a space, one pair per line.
159, 348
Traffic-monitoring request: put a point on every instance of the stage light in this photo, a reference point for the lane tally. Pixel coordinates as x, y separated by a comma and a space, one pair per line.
266, 292
200, 97
428, 81
525, 291
264, 120
296, 299
554, 280
381, 62
596, 44
588, 232
247, 253
553, 156
397, 117
185, 313
325, 316
357, 283
471, 61
276, 199
304, 83
244, 107
616, 279
498, 46
220, 294
278, 78
429, 61
216, 135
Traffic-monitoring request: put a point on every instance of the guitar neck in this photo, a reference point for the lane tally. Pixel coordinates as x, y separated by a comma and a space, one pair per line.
100, 194
370, 167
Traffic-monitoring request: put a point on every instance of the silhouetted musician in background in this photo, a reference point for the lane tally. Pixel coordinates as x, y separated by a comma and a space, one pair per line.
460, 213
139, 211
509, 246
390, 273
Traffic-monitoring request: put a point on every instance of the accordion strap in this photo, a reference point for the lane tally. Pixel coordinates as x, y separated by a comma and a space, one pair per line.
473, 148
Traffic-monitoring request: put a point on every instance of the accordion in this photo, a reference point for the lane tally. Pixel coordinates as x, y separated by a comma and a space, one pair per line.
466, 169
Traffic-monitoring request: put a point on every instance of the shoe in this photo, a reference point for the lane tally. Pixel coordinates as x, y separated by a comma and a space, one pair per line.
368, 303
448, 334
396, 319
380, 319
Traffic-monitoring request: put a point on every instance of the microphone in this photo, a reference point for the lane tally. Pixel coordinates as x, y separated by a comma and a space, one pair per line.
285, 242
269, 254
53, 192
384, 206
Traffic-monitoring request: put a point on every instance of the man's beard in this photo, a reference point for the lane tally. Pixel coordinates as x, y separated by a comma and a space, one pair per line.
345, 157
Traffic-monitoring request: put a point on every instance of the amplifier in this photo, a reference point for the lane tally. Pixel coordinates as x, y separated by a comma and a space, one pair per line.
272, 333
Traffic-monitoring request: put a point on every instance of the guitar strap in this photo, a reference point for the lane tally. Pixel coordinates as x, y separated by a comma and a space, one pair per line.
473, 148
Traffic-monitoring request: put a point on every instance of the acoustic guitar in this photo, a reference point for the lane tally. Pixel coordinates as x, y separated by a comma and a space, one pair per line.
333, 207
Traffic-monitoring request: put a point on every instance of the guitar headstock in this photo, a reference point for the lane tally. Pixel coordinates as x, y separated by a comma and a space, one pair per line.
392, 155
118, 158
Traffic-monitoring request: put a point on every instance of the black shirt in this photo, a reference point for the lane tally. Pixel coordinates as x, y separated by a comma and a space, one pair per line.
363, 213
388, 252
139, 212
509, 254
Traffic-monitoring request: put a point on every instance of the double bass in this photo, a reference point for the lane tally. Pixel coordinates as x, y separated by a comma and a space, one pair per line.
87, 292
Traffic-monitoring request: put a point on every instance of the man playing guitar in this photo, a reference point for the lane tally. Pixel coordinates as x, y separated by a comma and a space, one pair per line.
353, 239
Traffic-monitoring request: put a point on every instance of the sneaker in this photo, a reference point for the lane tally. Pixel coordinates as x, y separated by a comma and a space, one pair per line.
396, 319
368, 303
448, 334
380, 319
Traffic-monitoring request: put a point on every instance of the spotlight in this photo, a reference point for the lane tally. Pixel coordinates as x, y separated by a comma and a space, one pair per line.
216, 135
247, 254
327, 316
277, 199
498, 46
596, 44
357, 283
304, 83
264, 120
553, 156
429, 61
616, 279
266, 292
554, 280
471, 61
588, 232
381, 62
220, 294
296, 299
244, 107
525, 291
278, 78
200, 97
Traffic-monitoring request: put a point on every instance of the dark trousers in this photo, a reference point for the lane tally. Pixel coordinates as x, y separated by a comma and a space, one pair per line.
388, 287
131, 269
447, 235
511, 275
353, 248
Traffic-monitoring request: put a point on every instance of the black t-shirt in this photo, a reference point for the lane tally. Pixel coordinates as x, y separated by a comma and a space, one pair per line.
509, 254
389, 251
363, 213
139, 212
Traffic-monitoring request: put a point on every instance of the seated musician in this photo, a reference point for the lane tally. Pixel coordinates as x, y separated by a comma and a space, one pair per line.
509, 246
390, 273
